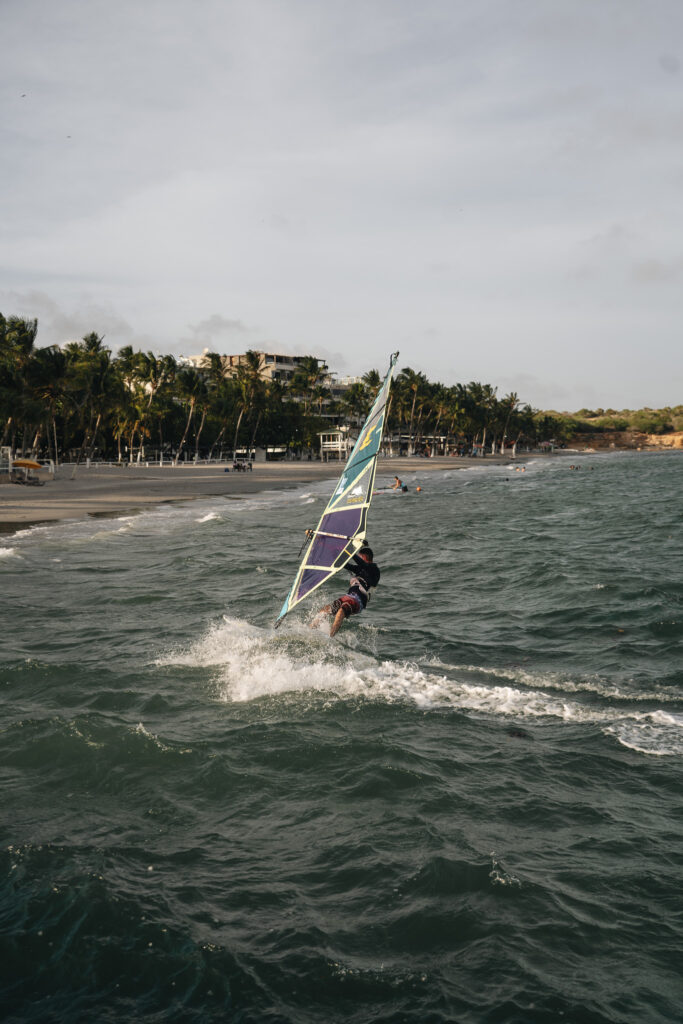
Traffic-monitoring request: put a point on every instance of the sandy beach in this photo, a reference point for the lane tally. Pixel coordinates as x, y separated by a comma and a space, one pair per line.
107, 489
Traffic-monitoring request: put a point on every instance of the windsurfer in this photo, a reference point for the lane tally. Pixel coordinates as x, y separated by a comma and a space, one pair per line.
365, 578
398, 485
341, 528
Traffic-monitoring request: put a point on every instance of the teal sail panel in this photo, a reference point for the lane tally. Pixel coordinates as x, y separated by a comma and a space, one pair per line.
341, 530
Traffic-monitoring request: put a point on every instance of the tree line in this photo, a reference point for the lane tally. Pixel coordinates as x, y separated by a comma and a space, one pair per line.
646, 421
80, 401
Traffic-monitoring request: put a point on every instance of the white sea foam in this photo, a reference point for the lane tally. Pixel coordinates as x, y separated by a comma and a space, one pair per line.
249, 663
499, 876
208, 517
659, 734
104, 534
140, 730
31, 531
557, 681
75, 731
9, 553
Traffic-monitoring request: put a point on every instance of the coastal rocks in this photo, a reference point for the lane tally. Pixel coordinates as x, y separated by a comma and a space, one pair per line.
665, 440
627, 439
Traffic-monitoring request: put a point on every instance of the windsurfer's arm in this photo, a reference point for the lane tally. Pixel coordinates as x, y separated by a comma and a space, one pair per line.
368, 572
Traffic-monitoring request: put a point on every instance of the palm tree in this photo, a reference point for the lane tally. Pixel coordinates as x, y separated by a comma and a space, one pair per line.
17, 340
441, 406
154, 374
372, 382
413, 382
321, 394
46, 376
456, 411
509, 405
128, 362
308, 375
481, 406
192, 389
224, 401
91, 376
250, 386
355, 402
490, 403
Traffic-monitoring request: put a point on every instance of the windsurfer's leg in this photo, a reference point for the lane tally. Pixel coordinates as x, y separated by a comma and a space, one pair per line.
344, 606
338, 619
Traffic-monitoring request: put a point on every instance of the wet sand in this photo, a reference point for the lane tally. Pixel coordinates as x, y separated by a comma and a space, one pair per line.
106, 489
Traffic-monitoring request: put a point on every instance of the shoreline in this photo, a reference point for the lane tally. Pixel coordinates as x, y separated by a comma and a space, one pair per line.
103, 490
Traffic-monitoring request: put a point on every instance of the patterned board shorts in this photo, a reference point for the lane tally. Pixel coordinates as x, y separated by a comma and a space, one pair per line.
350, 603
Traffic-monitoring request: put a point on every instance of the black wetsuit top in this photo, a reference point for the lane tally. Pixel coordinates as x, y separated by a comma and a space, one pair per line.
365, 575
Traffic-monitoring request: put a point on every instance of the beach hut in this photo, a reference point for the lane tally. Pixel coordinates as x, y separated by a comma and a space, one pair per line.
335, 444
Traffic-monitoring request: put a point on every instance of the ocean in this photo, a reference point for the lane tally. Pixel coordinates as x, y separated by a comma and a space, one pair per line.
467, 808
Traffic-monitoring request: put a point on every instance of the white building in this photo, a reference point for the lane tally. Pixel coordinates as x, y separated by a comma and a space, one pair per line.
273, 366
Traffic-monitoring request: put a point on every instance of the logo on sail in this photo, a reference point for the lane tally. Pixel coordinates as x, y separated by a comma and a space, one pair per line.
368, 438
356, 495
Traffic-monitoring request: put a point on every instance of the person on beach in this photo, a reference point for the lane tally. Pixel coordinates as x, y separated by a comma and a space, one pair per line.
365, 578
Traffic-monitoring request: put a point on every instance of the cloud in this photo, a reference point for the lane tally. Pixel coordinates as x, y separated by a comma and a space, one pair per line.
670, 63
330, 184
614, 238
216, 332
57, 325
653, 271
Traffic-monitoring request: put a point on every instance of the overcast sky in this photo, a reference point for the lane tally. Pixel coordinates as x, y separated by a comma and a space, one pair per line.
494, 187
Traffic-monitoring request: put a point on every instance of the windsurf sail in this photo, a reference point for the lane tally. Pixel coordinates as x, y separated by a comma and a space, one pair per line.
341, 530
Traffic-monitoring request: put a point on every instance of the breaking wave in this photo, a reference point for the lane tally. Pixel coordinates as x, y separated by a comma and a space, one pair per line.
248, 663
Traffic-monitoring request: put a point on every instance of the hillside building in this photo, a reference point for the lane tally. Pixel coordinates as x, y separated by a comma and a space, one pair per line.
273, 366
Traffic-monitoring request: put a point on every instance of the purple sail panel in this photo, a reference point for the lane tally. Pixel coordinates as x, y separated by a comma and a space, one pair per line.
325, 550
309, 579
346, 522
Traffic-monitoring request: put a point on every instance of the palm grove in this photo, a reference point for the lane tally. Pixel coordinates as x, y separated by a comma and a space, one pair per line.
81, 401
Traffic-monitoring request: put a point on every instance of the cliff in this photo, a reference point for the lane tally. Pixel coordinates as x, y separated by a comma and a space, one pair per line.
627, 439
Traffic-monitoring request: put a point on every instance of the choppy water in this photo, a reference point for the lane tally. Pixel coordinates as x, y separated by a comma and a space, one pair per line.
466, 808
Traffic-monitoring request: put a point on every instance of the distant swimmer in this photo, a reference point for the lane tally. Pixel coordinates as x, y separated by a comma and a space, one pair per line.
398, 484
365, 579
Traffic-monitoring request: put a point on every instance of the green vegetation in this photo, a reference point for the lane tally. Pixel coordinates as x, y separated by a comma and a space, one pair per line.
645, 421
81, 401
